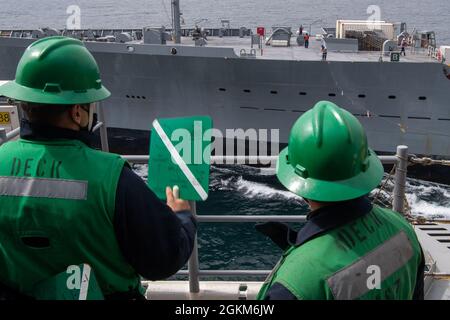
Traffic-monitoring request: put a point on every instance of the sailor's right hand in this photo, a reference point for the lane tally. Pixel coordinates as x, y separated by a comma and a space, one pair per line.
175, 203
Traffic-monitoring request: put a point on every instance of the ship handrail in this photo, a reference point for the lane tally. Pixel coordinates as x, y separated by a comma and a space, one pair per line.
100, 32
247, 159
7, 136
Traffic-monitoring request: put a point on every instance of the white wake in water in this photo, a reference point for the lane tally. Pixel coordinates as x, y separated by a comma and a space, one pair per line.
425, 198
428, 199
258, 190
427, 209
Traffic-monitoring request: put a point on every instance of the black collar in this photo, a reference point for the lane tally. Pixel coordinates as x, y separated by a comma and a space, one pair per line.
331, 217
33, 131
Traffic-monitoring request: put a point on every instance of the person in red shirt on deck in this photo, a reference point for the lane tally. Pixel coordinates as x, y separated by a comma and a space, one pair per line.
306, 38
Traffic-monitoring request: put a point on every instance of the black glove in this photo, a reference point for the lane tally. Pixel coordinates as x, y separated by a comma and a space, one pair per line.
280, 233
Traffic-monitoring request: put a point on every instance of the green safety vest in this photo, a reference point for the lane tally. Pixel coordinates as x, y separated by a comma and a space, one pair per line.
376, 256
57, 203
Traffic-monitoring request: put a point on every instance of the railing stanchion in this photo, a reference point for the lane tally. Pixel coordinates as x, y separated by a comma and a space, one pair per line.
193, 264
400, 179
103, 128
3, 138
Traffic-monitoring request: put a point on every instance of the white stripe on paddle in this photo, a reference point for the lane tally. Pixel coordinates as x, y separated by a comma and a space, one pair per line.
85, 282
179, 161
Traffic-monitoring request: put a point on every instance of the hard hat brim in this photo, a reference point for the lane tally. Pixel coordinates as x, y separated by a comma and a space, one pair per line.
330, 191
18, 92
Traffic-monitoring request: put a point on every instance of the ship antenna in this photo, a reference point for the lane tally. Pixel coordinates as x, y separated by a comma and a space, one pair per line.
176, 14
167, 14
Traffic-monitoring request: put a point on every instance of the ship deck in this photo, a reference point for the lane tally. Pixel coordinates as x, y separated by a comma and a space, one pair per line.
435, 241
236, 43
297, 53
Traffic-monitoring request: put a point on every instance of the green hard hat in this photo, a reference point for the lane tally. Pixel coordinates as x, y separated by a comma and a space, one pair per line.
327, 158
56, 70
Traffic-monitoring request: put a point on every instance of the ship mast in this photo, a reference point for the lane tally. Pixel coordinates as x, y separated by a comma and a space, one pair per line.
176, 16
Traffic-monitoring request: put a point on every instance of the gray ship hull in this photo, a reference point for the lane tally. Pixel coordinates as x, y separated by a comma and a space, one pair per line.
398, 103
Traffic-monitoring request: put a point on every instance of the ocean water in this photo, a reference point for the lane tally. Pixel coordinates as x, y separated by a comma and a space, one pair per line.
241, 189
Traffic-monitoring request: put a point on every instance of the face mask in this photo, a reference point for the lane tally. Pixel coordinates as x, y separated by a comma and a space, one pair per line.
92, 118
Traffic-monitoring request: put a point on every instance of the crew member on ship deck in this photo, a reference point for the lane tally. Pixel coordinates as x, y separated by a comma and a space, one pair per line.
306, 38
324, 52
64, 203
403, 45
349, 248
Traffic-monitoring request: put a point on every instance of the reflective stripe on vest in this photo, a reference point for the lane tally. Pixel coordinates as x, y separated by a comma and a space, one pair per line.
351, 282
43, 188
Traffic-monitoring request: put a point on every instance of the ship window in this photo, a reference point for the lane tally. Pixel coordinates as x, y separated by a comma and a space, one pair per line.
132, 97
247, 90
274, 109
361, 96
144, 97
422, 98
222, 89
302, 93
250, 108
138, 97
420, 118
332, 94
127, 96
274, 92
392, 97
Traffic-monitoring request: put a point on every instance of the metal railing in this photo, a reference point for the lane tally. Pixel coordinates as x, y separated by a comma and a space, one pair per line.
194, 272
6, 136
435, 53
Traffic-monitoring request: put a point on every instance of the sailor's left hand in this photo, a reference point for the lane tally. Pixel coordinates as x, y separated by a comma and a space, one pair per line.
175, 203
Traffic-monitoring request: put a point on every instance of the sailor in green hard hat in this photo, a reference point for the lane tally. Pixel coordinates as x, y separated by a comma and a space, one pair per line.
349, 248
64, 203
